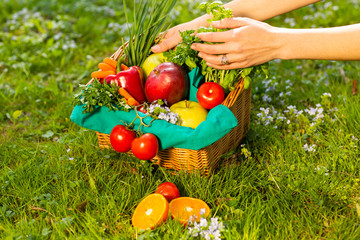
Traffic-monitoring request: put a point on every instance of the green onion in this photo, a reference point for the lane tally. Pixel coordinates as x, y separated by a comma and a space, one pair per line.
149, 20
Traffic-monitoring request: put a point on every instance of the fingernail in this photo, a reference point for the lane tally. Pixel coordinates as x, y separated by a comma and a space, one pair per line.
193, 46
155, 48
200, 55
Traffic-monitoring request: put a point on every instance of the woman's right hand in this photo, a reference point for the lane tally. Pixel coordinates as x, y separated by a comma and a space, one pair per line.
172, 37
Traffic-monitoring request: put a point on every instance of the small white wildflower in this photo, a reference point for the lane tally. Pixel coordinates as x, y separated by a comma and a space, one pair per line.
202, 210
308, 148
354, 138
71, 158
203, 222
311, 111
266, 98
68, 150
58, 36
327, 94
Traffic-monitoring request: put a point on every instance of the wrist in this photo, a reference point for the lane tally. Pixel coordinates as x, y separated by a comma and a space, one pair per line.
283, 42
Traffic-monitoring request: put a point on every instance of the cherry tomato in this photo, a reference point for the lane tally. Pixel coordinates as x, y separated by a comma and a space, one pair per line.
210, 94
121, 138
145, 147
168, 190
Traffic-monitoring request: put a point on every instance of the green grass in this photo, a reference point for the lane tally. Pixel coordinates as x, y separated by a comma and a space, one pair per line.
293, 177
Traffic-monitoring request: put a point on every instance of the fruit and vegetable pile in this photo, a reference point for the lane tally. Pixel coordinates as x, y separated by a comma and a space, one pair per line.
157, 85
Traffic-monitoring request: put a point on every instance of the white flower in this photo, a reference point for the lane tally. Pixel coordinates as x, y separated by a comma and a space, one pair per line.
203, 222
291, 107
327, 94
308, 148
311, 111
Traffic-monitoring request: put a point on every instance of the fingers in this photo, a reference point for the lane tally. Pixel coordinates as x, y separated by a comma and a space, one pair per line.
216, 36
229, 66
231, 22
221, 48
234, 61
166, 45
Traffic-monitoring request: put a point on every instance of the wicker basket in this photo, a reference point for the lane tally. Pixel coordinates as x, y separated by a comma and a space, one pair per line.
206, 159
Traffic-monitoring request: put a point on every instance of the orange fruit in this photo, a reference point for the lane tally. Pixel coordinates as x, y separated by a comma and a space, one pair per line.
151, 212
183, 208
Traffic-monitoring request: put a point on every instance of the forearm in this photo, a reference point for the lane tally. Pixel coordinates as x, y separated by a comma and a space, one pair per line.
337, 43
257, 9
265, 9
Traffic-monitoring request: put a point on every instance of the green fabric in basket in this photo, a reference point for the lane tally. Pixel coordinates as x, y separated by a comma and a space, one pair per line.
220, 120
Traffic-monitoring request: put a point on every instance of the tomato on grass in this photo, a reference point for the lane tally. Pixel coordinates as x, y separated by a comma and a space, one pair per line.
121, 138
168, 190
145, 147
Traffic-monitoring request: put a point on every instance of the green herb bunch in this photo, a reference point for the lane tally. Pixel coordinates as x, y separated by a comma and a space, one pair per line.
183, 54
148, 21
98, 94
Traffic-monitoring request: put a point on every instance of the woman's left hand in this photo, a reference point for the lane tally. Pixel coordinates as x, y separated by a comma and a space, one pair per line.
248, 43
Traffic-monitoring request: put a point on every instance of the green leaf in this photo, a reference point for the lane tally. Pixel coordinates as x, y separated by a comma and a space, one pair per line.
17, 114
247, 82
48, 134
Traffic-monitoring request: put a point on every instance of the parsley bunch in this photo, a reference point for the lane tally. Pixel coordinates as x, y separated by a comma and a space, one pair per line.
98, 94
183, 54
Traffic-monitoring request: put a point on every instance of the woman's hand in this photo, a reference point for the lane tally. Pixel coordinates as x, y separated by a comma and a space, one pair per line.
172, 37
248, 43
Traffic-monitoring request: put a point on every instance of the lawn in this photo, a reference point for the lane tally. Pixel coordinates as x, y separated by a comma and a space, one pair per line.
296, 174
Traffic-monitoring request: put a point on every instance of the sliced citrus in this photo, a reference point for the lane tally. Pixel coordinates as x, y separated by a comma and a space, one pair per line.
151, 212
183, 208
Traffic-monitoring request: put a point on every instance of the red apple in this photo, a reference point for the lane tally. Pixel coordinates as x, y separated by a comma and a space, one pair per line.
168, 81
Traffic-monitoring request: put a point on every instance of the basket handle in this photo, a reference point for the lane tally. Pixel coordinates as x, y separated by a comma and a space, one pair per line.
233, 95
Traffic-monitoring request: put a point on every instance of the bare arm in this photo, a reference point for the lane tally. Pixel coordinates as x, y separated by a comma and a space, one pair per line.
251, 42
265, 9
256, 9
337, 43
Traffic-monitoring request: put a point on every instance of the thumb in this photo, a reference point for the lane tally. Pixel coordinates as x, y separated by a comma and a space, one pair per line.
231, 22
165, 45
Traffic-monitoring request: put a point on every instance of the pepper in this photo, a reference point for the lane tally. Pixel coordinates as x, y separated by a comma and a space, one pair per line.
131, 80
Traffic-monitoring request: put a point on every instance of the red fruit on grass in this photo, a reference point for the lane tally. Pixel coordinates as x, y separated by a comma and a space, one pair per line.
145, 147
210, 94
168, 190
167, 81
121, 138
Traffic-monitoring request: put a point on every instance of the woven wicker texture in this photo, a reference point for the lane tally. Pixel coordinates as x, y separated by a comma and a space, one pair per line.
206, 159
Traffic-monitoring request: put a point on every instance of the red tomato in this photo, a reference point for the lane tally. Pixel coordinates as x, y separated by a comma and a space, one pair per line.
145, 147
121, 138
210, 95
168, 190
